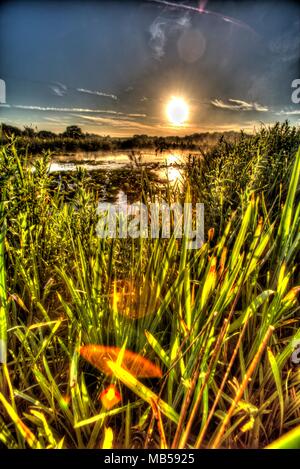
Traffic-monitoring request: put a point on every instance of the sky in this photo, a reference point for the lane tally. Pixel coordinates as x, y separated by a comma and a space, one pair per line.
112, 67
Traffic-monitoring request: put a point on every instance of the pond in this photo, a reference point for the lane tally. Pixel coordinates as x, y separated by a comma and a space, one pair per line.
119, 172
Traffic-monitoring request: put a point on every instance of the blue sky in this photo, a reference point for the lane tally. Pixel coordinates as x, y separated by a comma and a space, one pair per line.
111, 67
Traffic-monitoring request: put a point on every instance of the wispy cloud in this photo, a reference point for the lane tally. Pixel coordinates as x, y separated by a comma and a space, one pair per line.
119, 115
238, 105
63, 109
59, 89
120, 123
137, 115
158, 37
161, 28
52, 119
295, 112
97, 93
56, 120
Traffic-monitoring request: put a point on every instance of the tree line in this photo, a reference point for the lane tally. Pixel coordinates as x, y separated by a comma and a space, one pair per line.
73, 138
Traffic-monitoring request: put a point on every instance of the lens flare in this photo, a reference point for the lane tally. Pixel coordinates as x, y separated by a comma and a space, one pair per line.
110, 397
138, 366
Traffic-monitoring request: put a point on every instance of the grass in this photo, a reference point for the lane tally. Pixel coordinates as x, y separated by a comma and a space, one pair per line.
218, 321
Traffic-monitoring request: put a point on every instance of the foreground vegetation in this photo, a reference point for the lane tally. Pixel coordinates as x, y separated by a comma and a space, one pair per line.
219, 322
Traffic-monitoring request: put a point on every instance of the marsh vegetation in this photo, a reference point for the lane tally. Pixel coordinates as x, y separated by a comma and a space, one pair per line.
214, 328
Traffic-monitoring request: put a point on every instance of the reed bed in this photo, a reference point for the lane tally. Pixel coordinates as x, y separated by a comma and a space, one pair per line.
219, 322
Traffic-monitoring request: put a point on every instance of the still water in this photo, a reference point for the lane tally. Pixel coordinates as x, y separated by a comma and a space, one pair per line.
166, 165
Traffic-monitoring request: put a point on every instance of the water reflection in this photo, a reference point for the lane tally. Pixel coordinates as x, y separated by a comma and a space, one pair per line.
99, 160
118, 174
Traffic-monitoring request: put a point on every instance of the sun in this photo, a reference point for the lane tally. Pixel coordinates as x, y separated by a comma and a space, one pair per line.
177, 110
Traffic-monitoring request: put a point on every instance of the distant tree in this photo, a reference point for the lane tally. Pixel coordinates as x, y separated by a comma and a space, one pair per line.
46, 134
9, 130
73, 131
142, 141
106, 143
160, 144
28, 131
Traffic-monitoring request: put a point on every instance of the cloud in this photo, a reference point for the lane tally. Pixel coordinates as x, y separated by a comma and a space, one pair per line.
114, 122
97, 93
56, 120
52, 119
137, 115
158, 37
64, 109
161, 28
74, 109
114, 115
238, 105
59, 89
289, 113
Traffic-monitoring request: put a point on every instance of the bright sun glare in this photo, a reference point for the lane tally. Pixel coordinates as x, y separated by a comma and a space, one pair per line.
177, 110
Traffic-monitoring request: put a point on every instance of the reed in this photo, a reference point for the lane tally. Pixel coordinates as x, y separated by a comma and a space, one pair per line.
219, 321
